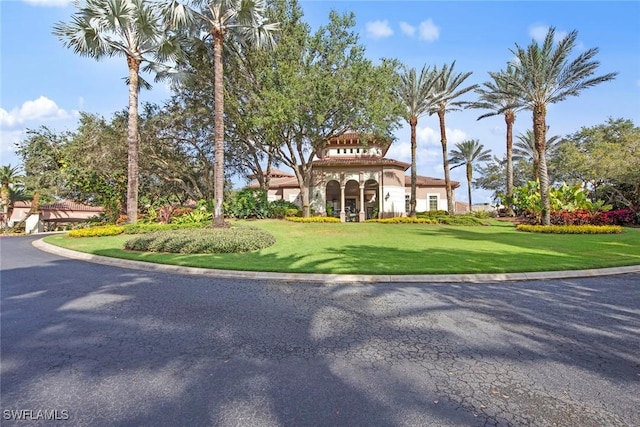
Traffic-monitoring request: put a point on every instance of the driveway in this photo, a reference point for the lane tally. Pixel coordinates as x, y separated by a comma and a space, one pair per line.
100, 345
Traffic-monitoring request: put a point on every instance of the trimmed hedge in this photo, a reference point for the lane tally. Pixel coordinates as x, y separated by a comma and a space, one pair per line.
312, 219
103, 230
404, 220
570, 229
144, 228
203, 241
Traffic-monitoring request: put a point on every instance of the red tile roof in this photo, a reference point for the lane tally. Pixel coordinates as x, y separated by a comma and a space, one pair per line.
361, 161
68, 205
427, 181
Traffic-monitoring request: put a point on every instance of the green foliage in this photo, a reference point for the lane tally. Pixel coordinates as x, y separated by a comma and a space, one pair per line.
572, 198
203, 241
144, 228
279, 209
403, 220
432, 214
104, 230
248, 203
315, 219
465, 220
197, 216
570, 229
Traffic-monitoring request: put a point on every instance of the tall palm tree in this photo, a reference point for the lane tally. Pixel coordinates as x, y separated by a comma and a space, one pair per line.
466, 154
416, 94
495, 97
246, 22
525, 149
545, 75
447, 89
135, 30
8, 177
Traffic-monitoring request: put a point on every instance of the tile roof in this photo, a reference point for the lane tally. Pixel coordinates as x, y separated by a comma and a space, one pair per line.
427, 181
68, 205
361, 161
284, 182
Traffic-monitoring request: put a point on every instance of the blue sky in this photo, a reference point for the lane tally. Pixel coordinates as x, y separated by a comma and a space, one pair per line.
43, 83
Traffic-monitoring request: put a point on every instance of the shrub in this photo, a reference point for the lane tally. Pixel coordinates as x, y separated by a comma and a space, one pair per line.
198, 216
248, 203
144, 228
403, 220
282, 208
431, 214
203, 241
466, 220
579, 217
619, 217
104, 230
312, 219
570, 229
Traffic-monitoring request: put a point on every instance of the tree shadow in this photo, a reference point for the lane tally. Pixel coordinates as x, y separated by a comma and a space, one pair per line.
126, 347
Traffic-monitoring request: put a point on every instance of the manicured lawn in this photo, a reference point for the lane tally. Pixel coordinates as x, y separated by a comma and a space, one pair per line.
371, 248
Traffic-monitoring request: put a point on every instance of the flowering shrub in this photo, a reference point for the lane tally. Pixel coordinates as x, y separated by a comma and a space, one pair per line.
312, 219
570, 229
579, 217
619, 217
104, 230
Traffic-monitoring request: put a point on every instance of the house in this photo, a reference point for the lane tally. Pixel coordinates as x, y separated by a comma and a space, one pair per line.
353, 180
51, 216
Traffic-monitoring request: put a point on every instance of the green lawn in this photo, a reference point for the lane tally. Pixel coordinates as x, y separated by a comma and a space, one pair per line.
371, 248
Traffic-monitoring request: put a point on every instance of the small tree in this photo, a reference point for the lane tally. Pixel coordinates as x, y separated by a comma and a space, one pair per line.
466, 154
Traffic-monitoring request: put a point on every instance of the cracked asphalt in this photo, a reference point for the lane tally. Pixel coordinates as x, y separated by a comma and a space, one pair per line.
120, 347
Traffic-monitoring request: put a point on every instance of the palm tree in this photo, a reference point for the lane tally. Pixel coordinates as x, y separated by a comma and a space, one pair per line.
136, 30
545, 75
415, 93
494, 97
8, 177
525, 149
446, 87
466, 154
246, 21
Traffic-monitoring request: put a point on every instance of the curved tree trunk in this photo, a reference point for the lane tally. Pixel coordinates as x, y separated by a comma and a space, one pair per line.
509, 118
469, 166
445, 162
132, 141
413, 122
218, 96
540, 138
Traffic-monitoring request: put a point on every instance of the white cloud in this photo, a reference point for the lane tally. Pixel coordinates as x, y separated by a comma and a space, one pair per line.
429, 31
47, 3
407, 29
539, 32
378, 29
39, 109
8, 141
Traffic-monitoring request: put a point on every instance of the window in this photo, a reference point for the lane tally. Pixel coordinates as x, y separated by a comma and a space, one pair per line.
433, 203
407, 203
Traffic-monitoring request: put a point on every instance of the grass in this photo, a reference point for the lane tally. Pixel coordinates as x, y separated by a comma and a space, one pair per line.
371, 248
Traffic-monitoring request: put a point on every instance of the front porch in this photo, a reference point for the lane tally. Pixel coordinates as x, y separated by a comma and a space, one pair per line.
354, 201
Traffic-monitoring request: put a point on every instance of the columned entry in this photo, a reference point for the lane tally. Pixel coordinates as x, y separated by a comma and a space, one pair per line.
352, 201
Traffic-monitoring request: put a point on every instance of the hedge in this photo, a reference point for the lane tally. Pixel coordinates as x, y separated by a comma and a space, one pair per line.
103, 230
312, 219
570, 229
203, 241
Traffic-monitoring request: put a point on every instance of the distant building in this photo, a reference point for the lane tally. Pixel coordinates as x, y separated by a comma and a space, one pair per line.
353, 180
50, 216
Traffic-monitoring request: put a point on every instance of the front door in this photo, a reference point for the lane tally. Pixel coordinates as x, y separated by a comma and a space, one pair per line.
350, 209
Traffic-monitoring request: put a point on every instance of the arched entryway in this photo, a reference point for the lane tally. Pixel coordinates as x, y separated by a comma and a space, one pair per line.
371, 199
352, 201
332, 194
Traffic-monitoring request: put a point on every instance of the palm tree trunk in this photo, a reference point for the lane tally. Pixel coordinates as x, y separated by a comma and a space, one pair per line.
445, 161
413, 122
469, 166
509, 118
218, 95
132, 141
4, 196
540, 138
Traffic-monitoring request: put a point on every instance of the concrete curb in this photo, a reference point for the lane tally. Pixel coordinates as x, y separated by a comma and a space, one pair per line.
333, 278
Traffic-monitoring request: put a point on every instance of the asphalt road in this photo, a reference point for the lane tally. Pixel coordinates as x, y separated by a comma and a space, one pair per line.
97, 345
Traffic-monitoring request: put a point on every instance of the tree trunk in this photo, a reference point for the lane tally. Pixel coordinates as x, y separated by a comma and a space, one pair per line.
469, 166
445, 162
304, 181
413, 122
509, 118
132, 141
540, 139
218, 96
